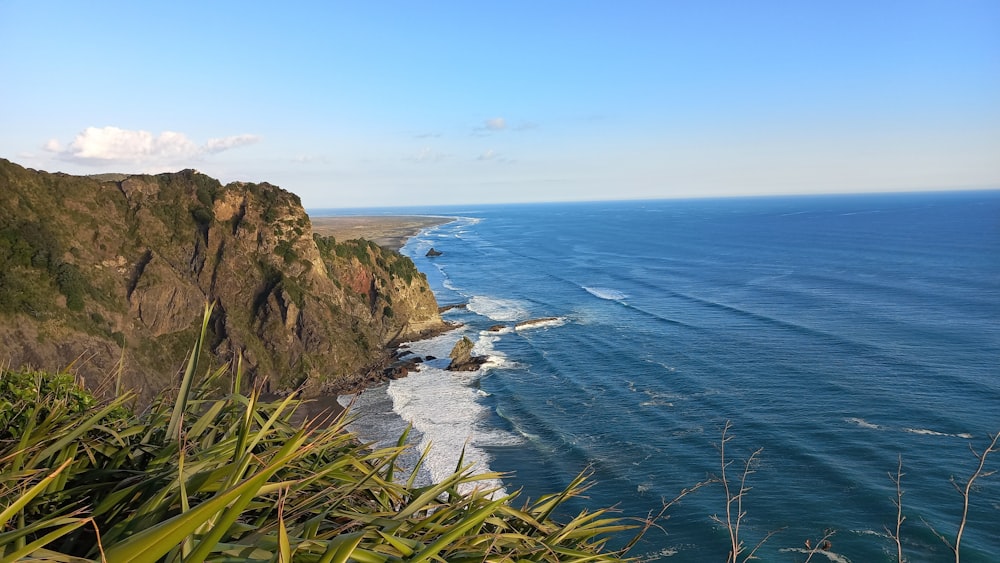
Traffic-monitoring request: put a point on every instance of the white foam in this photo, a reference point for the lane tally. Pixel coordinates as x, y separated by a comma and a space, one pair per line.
547, 323
927, 432
656, 403
921, 431
498, 309
605, 293
863, 423
484, 347
444, 407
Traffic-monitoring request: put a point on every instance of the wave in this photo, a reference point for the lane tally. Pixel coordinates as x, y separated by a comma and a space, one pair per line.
446, 411
451, 433
921, 431
925, 432
484, 346
548, 322
864, 423
605, 293
498, 309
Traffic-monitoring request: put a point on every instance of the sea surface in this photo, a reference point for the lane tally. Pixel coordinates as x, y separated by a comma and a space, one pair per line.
836, 334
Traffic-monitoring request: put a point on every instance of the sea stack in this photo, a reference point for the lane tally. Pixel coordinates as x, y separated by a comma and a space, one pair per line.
462, 358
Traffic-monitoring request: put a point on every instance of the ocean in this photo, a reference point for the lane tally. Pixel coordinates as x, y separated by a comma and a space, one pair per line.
836, 334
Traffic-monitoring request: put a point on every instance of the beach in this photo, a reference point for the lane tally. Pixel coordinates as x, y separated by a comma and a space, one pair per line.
389, 231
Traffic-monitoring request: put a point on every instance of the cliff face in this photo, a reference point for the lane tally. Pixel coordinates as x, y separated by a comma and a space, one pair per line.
100, 271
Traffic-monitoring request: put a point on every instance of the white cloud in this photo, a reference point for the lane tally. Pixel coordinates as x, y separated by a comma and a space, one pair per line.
218, 145
495, 124
498, 124
492, 125
113, 144
494, 156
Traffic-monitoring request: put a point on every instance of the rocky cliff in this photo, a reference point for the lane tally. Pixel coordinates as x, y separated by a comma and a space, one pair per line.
104, 271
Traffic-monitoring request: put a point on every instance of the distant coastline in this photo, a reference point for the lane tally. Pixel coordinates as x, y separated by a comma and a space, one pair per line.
389, 231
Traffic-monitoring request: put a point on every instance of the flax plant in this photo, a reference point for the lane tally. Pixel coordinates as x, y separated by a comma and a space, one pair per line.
212, 475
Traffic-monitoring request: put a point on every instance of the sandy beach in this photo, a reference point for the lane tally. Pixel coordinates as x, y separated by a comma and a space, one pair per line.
390, 231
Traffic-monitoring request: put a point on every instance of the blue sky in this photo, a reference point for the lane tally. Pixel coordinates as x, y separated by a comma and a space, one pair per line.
407, 103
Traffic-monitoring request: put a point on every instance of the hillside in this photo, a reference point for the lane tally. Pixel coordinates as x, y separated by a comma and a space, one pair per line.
108, 270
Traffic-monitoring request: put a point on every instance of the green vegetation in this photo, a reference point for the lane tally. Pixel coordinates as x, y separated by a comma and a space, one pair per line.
286, 251
30, 255
226, 476
360, 249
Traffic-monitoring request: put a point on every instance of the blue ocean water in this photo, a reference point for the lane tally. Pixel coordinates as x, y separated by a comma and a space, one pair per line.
840, 334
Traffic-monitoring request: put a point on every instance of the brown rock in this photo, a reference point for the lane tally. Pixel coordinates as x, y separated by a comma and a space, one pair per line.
462, 358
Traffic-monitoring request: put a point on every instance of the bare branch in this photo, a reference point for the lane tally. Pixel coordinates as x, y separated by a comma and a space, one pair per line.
897, 479
734, 500
822, 544
992, 448
653, 521
753, 551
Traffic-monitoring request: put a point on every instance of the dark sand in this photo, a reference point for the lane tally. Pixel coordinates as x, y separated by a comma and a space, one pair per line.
388, 231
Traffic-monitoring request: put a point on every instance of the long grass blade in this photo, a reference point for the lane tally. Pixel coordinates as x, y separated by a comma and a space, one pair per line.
31, 493
180, 405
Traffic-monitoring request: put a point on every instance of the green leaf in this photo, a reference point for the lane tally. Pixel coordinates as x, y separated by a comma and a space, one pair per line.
27, 497
180, 405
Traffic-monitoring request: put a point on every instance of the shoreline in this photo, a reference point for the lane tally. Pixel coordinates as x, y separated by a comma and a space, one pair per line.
389, 231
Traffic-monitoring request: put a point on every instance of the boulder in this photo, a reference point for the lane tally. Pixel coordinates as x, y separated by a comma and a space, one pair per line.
432, 253
462, 358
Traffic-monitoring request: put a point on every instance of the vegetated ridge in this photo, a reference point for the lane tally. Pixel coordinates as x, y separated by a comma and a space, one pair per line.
104, 271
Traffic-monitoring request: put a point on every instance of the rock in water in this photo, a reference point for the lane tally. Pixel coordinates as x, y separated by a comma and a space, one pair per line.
432, 253
462, 358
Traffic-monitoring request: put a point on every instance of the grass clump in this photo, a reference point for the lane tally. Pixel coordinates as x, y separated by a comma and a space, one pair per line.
210, 475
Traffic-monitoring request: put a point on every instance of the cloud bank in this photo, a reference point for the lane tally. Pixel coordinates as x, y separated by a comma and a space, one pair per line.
113, 144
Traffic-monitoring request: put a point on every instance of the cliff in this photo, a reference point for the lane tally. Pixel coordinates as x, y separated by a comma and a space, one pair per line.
97, 272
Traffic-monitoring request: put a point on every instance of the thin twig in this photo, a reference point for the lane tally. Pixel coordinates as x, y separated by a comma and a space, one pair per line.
968, 488
897, 479
822, 544
733, 524
653, 521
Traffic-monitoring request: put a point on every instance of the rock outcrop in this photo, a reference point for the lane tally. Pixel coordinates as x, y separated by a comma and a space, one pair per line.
93, 270
462, 358
432, 253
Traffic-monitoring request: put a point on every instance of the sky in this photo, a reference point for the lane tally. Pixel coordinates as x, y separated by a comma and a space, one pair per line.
381, 103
